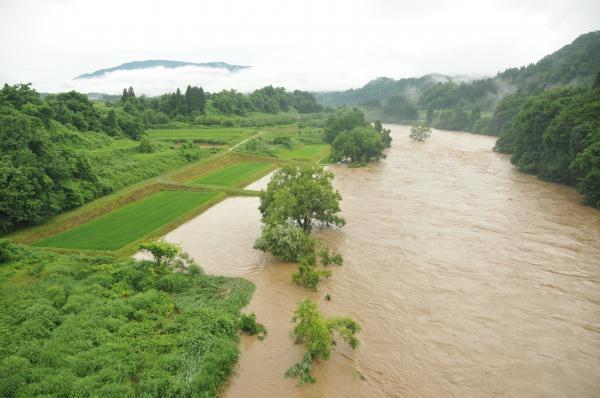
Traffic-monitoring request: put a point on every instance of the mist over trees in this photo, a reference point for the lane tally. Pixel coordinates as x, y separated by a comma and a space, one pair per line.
466, 105
546, 114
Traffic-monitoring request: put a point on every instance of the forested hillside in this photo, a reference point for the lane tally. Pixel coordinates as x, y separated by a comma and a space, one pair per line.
381, 90
574, 64
556, 136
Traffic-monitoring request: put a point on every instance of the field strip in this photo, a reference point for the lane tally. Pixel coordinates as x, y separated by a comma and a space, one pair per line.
129, 223
234, 174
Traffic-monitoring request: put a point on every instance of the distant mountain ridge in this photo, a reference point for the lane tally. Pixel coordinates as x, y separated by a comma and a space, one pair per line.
574, 64
153, 63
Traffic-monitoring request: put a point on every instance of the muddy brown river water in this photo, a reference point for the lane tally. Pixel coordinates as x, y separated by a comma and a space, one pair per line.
469, 279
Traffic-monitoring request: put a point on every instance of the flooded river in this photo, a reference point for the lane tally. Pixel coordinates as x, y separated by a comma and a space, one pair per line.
469, 279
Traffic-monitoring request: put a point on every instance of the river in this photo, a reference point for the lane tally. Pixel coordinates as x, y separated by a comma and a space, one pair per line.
469, 279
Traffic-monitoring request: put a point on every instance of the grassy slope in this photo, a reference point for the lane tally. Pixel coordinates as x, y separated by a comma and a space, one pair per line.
118, 228
93, 326
118, 163
304, 152
234, 174
303, 143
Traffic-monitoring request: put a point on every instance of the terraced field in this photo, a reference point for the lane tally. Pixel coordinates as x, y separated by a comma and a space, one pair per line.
127, 224
221, 135
233, 175
305, 152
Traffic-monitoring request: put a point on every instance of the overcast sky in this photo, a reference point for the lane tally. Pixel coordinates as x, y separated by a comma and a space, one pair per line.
306, 44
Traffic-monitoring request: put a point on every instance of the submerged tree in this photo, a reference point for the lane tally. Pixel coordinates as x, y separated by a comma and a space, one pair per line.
317, 334
296, 199
420, 132
308, 274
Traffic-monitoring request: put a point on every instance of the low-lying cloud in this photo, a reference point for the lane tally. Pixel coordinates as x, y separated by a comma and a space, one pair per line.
159, 80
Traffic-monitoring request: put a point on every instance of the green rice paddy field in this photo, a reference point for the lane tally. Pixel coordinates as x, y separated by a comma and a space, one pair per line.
233, 175
123, 226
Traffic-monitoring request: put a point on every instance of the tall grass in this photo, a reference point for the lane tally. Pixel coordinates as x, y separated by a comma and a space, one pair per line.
94, 326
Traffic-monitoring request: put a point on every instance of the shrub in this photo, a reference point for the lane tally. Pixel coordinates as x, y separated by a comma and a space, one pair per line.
146, 146
328, 258
249, 326
194, 270
308, 275
420, 132
9, 251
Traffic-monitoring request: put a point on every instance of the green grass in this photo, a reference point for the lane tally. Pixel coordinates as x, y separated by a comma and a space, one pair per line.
234, 174
304, 152
218, 135
78, 326
120, 227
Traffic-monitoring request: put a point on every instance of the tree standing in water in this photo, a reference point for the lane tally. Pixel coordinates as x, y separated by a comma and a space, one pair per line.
420, 132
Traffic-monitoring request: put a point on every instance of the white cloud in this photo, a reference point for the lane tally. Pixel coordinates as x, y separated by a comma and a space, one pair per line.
159, 80
309, 44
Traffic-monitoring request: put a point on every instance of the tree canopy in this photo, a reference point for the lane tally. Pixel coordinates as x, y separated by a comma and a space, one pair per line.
359, 145
301, 195
420, 132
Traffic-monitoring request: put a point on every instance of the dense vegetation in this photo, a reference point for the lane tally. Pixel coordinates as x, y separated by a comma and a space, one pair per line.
96, 326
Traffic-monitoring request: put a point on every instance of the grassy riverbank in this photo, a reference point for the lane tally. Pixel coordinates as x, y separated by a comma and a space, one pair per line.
97, 326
